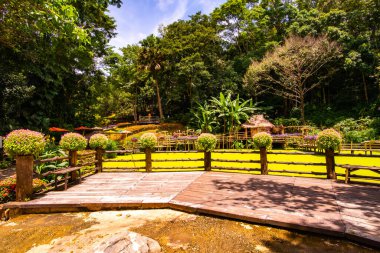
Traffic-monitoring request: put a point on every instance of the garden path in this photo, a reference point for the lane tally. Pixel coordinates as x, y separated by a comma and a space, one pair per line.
314, 205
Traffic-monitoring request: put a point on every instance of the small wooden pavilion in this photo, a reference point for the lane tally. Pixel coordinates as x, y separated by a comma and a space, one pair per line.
257, 123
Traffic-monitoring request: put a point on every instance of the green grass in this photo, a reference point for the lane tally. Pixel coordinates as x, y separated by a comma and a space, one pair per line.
366, 161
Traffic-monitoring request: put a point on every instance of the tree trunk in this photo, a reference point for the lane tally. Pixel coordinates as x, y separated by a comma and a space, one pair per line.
263, 161
24, 177
73, 159
330, 164
207, 161
365, 89
302, 107
148, 160
159, 100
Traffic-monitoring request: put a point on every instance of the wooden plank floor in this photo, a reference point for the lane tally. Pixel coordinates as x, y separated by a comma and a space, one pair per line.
315, 205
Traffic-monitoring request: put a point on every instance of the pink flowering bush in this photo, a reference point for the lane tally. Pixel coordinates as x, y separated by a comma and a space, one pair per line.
206, 142
262, 140
24, 142
73, 142
98, 141
329, 139
8, 188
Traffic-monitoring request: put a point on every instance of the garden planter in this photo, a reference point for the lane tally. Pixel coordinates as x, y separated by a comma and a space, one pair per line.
73, 159
99, 160
207, 161
330, 164
24, 177
148, 160
263, 161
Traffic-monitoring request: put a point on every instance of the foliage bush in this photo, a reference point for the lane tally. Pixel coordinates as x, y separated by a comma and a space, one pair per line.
111, 146
287, 122
359, 130
5, 164
148, 140
262, 140
98, 141
329, 139
8, 188
73, 141
206, 142
360, 136
24, 142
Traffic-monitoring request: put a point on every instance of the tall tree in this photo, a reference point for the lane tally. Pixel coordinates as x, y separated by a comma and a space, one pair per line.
294, 69
151, 59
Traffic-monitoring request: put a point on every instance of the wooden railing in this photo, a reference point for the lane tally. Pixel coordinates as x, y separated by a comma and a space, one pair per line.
219, 160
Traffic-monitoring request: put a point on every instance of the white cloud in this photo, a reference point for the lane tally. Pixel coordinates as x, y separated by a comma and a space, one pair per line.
208, 6
179, 12
164, 4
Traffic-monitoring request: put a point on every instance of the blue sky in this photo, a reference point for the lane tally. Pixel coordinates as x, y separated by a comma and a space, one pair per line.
137, 19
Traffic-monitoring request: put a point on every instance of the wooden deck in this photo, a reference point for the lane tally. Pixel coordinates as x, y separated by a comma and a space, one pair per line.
315, 205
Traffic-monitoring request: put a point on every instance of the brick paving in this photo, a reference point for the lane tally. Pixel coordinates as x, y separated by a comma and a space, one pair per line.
314, 205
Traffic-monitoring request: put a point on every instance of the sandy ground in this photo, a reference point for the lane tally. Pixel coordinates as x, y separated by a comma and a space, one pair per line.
175, 231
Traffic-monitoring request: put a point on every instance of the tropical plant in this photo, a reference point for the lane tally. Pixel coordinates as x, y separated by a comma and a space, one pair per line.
232, 111
73, 142
205, 118
24, 142
148, 141
98, 141
329, 139
206, 142
262, 140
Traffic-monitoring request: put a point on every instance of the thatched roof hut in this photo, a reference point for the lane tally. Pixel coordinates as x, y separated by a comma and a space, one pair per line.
257, 123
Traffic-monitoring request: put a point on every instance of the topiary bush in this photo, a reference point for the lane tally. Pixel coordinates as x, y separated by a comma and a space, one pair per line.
262, 140
98, 141
24, 142
148, 140
206, 142
73, 142
329, 139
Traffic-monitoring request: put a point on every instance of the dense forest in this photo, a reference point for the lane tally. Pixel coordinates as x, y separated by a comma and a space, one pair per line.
313, 60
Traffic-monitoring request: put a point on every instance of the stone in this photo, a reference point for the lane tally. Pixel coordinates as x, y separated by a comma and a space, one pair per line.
127, 242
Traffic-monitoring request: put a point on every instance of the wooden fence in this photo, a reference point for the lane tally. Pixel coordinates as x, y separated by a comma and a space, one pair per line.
219, 160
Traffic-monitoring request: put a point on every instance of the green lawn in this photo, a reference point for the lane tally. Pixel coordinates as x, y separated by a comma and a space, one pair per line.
367, 161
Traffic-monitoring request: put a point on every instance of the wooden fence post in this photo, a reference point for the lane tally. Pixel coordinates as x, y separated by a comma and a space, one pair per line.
99, 160
207, 160
148, 160
263, 161
73, 160
24, 177
330, 164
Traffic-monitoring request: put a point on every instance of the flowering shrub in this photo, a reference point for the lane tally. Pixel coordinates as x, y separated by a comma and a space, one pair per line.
329, 139
262, 140
8, 188
206, 142
24, 142
148, 140
98, 141
73, 141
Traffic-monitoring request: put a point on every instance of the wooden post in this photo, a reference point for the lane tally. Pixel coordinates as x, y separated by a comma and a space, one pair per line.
148, 160
207, 161
73, 160
24, 177
330, 164
99, 160
263, 161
